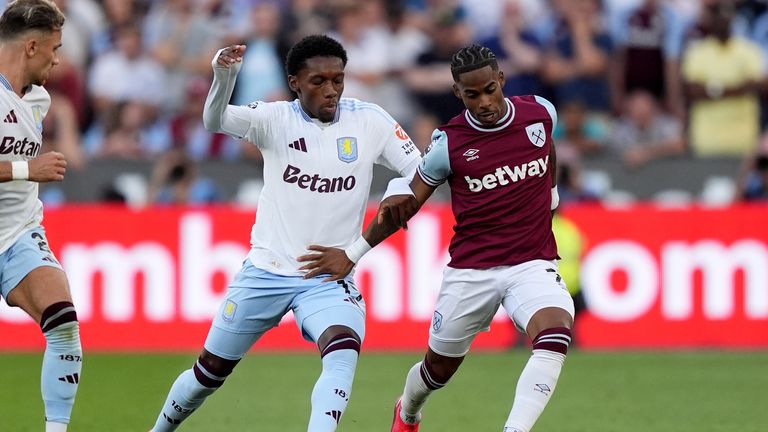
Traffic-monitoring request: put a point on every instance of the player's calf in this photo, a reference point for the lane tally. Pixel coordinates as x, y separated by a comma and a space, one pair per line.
62, 363
334, 386
539, 377
431, 374
191, 388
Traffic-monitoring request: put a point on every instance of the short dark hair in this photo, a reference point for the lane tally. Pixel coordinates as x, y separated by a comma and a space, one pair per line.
313, 46
23, 15
471, 58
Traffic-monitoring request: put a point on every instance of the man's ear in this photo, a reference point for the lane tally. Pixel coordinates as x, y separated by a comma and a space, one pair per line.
501, 79
293, 84
456, 91
31, 47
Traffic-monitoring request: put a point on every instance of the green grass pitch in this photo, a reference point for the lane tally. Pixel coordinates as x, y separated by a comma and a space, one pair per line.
605, 392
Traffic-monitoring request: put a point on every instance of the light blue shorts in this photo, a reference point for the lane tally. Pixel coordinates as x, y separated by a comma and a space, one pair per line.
256, 301
29, 252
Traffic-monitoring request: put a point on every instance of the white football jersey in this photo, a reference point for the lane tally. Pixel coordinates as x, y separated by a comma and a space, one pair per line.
21, 137
317, 177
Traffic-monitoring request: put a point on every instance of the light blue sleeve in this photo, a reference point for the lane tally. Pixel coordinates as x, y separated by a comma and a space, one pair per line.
550, 109
435, 165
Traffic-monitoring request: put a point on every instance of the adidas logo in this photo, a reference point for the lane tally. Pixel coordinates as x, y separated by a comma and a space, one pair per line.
299, 144
335, 414
72, 379
11, 118
171, 420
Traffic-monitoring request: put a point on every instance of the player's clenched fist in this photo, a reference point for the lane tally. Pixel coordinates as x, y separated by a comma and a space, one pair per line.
228, 56
398, 210
47, 167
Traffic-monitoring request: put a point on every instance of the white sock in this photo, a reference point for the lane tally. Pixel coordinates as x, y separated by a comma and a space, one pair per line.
534, 388
332, 390
55, 427
416, 392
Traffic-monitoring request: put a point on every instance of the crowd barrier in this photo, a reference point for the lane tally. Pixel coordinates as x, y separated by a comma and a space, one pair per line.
151, 280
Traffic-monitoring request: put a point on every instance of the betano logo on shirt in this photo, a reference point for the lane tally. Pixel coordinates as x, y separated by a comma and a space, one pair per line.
315, 183
506, 175
24, 147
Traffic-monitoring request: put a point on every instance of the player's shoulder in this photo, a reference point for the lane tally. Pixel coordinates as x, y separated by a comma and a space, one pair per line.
38, 96
274, 110
533, 108
273, 105
359, 108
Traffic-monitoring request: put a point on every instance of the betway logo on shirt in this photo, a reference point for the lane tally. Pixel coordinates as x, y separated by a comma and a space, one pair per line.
315, 183
25, 147
506, 175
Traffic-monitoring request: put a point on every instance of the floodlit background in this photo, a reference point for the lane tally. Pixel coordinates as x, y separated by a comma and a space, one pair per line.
663, 150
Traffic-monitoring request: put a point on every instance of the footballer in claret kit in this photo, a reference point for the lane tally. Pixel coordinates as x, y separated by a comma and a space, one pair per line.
498, 158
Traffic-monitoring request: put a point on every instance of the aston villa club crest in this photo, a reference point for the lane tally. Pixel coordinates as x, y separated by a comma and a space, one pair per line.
37, 114
228, 313
536, 134
347, 149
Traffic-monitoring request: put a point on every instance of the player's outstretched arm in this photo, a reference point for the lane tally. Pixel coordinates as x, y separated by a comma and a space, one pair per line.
394, 212
398, 209
47, 167
218, 115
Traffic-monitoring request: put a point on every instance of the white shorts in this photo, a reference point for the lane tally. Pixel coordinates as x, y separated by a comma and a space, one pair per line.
469, 298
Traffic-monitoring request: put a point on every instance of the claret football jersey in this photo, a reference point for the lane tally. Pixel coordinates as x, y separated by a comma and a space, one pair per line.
500, 184
21, 137
317, 177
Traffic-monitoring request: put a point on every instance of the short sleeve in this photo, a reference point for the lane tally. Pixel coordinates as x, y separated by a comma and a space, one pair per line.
754, 67
435, 165
693, 69
550, 109
399, 153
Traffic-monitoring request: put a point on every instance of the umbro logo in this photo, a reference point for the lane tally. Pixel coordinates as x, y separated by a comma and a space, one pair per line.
471, 154
299, 145
542, 388
11, 118
72, 379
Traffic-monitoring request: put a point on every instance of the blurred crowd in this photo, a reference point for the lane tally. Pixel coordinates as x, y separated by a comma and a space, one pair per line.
635, 80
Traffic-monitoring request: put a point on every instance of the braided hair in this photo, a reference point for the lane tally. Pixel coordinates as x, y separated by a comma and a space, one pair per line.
471, 58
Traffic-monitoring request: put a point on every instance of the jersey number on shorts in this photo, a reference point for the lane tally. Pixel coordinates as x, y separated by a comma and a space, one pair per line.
43, 245
345, 284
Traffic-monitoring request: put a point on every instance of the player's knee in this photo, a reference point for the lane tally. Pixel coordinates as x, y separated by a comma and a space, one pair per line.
553, 339
344, 340
60, 327
211, 370
437, 369
548, 318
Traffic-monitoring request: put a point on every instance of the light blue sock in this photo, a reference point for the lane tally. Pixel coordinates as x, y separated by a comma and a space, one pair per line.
331, 393
62, 363
186, 395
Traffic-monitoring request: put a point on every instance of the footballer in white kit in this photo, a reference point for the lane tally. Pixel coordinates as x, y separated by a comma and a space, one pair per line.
21, 140
30, 276
319, 151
